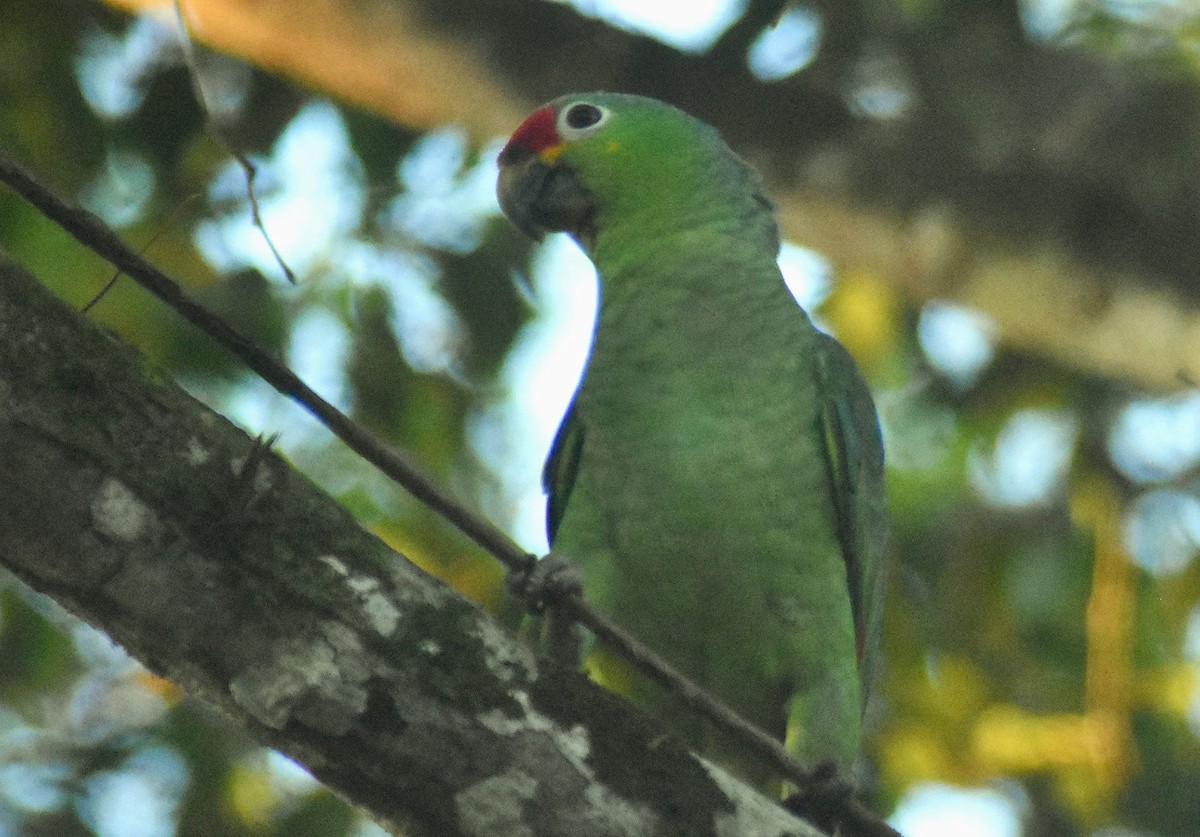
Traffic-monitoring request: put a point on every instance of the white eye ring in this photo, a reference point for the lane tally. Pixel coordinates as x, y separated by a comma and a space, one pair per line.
581, 119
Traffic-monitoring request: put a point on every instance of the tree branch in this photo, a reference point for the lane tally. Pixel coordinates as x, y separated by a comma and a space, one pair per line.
93, 233
215, 564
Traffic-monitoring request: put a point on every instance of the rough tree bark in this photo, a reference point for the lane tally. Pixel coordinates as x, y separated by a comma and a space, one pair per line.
1053, 189
218, 566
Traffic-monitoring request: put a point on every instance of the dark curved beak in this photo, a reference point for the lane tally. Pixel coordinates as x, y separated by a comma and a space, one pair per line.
540, 197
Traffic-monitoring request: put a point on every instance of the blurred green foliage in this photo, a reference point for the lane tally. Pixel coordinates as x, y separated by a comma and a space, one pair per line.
68, 723
1023, 644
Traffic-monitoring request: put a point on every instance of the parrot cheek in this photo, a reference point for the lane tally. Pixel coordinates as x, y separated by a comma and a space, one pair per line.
540, 197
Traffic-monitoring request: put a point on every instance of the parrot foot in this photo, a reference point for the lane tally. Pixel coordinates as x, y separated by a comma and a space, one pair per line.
828, 803
541, 584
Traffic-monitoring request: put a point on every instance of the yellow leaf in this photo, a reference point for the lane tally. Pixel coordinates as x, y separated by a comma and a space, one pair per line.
864, 311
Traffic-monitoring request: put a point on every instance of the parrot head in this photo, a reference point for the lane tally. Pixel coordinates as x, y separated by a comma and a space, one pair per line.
588, 163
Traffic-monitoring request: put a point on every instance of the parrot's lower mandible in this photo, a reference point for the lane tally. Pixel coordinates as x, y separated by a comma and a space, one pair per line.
719, 474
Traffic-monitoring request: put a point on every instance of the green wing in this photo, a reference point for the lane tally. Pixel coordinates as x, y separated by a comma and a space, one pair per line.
854, 457
558, 476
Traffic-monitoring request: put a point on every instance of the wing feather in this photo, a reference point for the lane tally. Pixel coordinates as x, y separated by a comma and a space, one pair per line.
562, 465
854, 457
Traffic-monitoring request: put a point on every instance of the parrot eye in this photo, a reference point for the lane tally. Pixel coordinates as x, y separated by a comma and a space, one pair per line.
580, 120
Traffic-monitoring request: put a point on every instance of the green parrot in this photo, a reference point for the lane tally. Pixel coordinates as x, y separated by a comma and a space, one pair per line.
718, 477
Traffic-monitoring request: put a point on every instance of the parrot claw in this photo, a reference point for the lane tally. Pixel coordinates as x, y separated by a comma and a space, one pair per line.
542, 583
828, 803
821, 801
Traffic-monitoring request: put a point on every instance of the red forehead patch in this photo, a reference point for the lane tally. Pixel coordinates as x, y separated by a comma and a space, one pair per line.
536, 134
